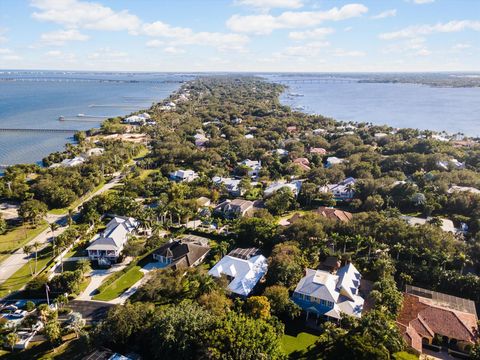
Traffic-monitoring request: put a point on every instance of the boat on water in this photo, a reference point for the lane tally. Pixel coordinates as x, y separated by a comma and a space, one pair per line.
295, 95
80, 115
61, 118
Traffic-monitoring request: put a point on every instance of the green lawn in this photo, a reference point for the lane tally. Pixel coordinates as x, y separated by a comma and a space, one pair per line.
123, 283
403, 355
77, 202
297, 343
17, 237
22, 276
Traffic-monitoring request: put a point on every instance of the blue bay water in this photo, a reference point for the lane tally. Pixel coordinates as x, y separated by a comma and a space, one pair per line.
35, 100
399, 105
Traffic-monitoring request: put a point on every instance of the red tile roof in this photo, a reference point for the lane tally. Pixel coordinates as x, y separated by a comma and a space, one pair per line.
420, 318
334, 214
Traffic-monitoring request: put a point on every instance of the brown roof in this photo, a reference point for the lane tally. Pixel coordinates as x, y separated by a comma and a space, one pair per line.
334, 214
420, 318
321, 151
183, 254
303, 163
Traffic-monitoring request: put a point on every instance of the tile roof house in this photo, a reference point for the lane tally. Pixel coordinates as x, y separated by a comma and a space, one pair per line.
426, 314
244, 268
320, 151
183, 175
234, 208
322, 293
334, 214
182, 253
303, 163
343, 191
107, 246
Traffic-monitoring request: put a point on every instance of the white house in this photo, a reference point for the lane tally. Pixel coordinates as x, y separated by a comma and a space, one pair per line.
253, 165
455, 188
243, 268
333, 160
183, 175
78, 160
454, 163
294, 186
232, 185
447, 224
344, 190
107, 246
200, 140
137, 119
324, 294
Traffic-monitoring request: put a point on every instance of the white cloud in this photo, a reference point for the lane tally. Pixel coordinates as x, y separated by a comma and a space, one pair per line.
423, 30
83, 14
385, 14
106, 54
5, 51
269, 4
155, 43
173, 50
424, 52
11, 57
461, 46
306, 50
60, 37
348, 53
309, 34
186, 36
266, 23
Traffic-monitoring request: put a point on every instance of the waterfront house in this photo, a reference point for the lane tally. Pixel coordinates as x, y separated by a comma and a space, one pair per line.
326, 295
294, 186
139, 119
78, 160
232, 185
231, 209
183, 175
253, 166
343, 191
107, 246
243, 268
185, 252
333, 160
97, 151
428, 317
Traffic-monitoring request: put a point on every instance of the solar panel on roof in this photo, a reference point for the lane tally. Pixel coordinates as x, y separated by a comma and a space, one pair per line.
453, 302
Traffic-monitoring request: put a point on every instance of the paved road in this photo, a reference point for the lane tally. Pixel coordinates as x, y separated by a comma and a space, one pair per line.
15, 261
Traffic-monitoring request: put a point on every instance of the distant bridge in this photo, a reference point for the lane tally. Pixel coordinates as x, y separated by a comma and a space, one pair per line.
315, 81
38, 130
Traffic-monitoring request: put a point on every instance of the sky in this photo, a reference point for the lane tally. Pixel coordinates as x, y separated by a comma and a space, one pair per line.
241, 35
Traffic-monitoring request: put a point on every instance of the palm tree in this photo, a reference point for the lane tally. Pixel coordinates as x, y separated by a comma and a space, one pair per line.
70, 217
53, 226
27, 249
35, 246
